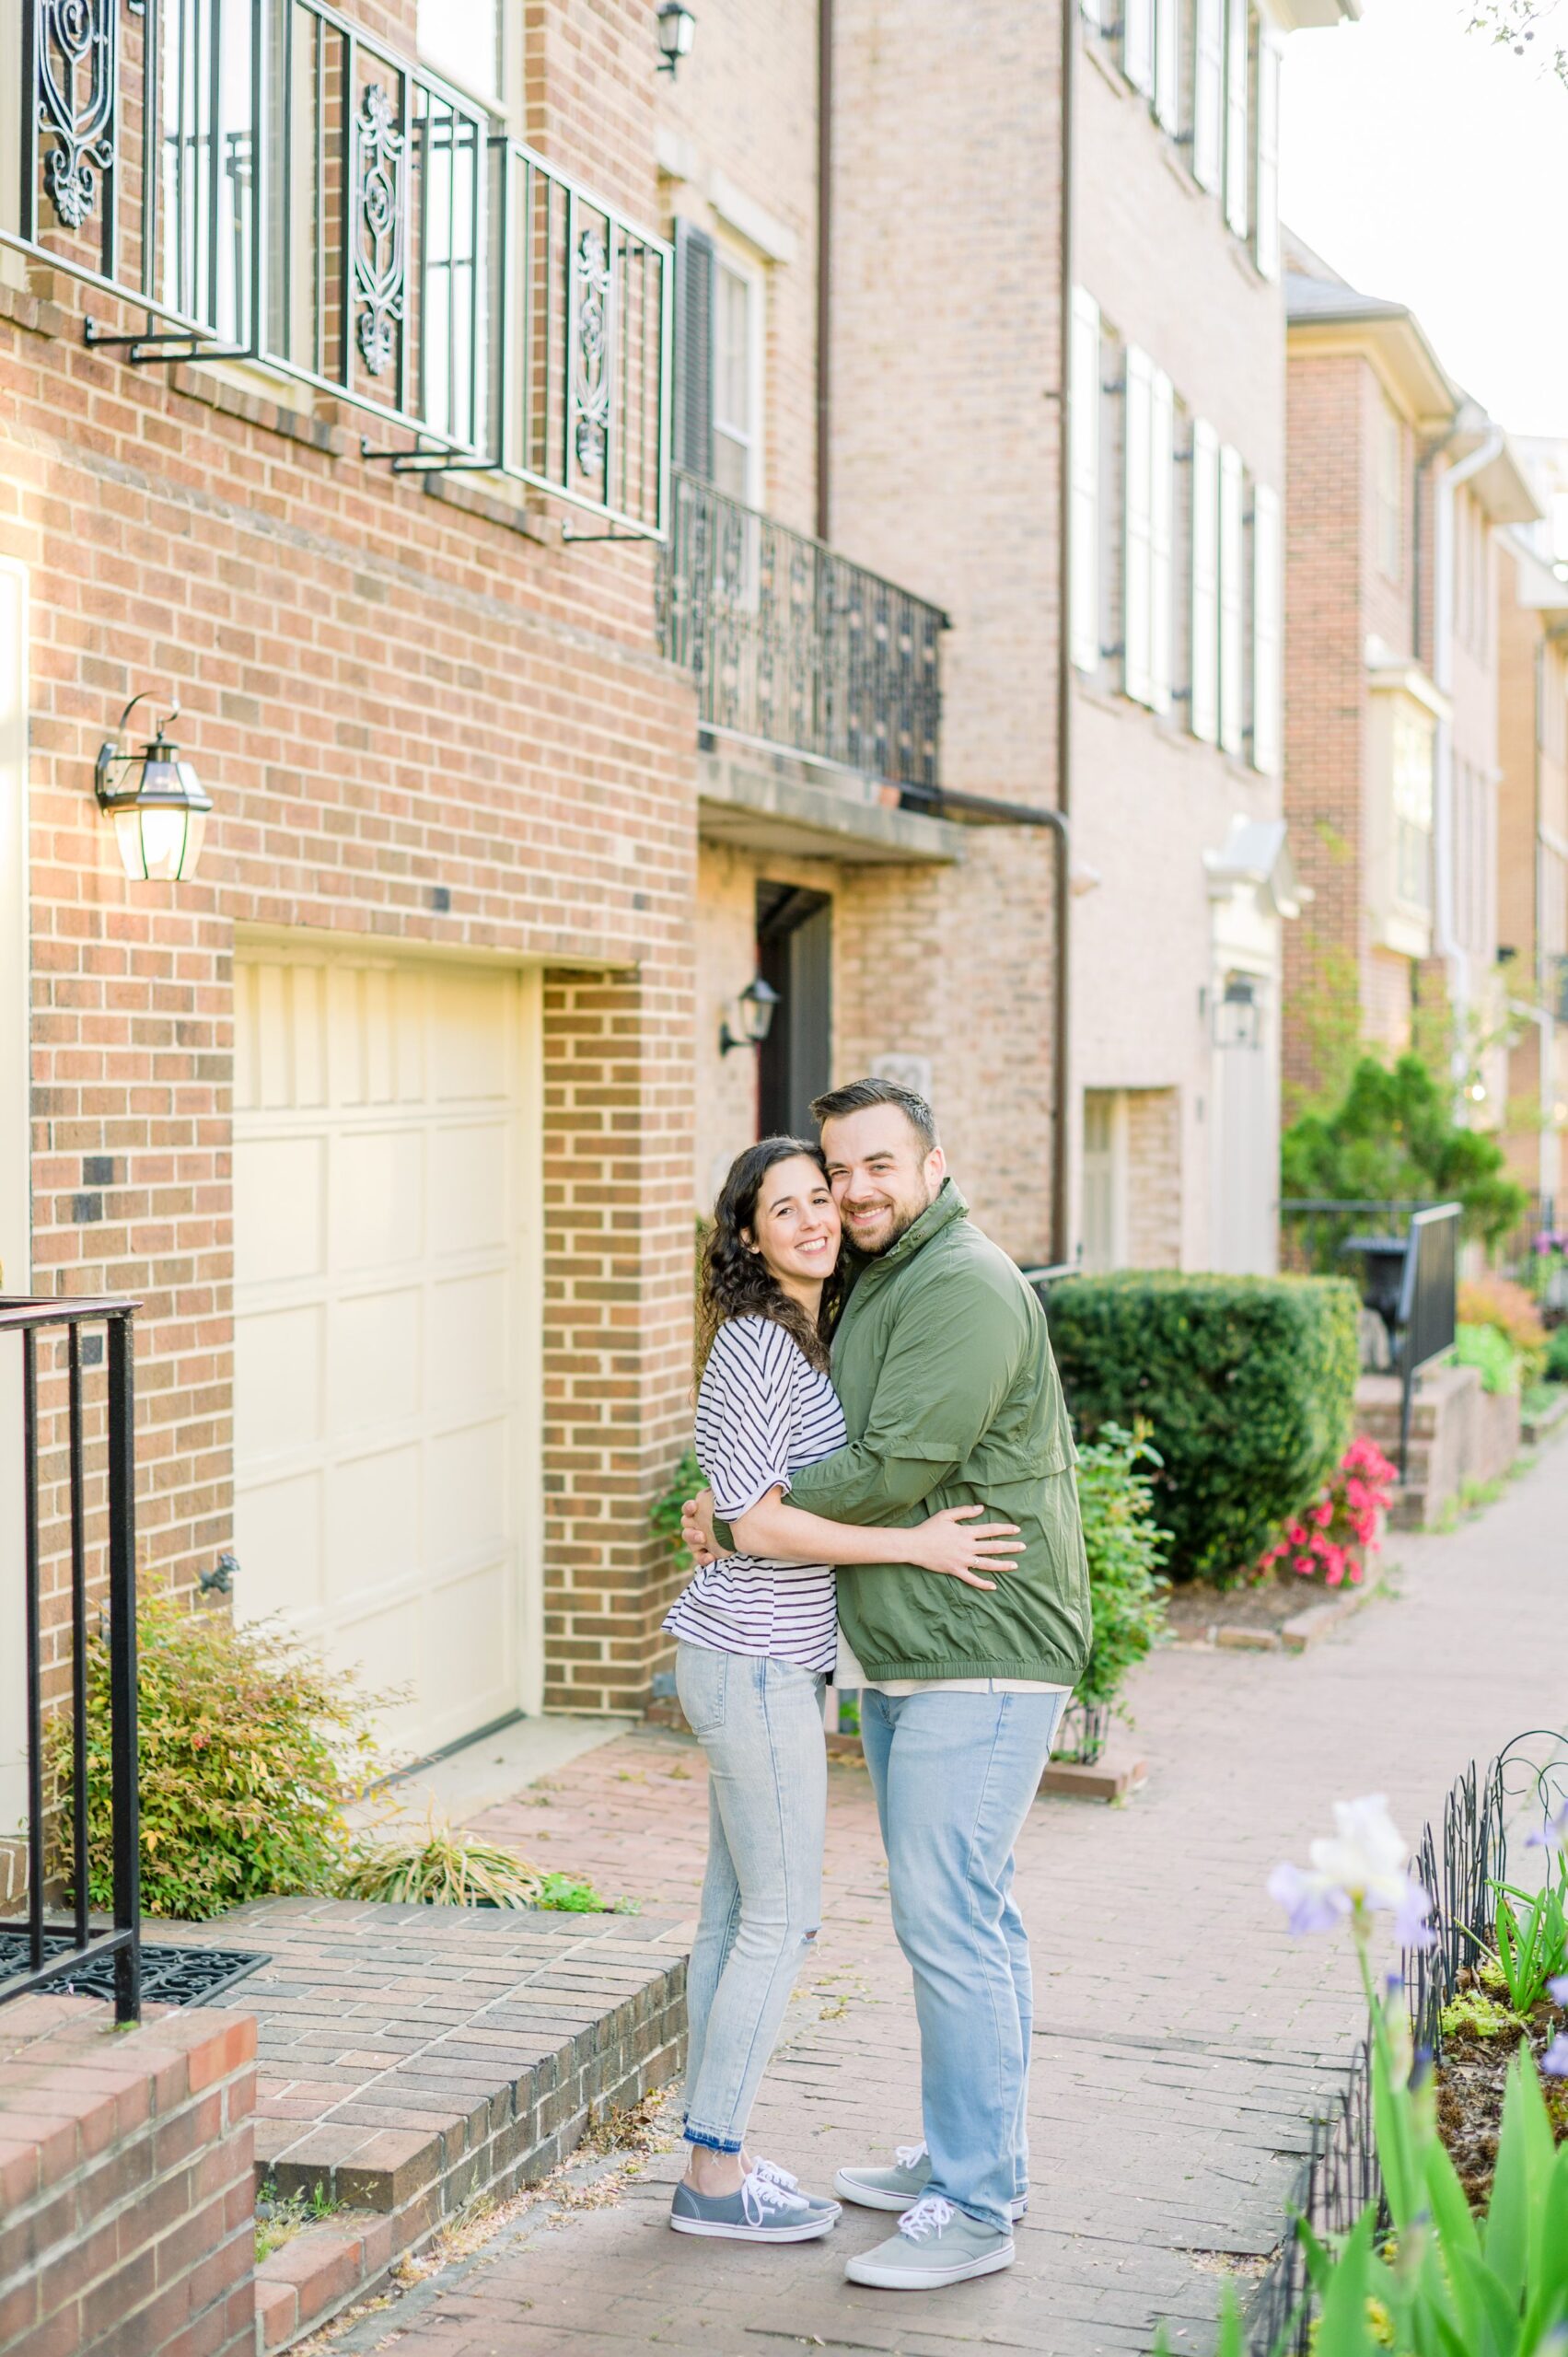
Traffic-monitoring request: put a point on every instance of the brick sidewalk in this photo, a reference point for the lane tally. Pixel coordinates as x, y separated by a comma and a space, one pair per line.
1180, 2039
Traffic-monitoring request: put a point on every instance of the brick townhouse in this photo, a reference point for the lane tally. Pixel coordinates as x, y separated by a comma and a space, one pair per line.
316, 411
1401, 696
903, 927
1532, 916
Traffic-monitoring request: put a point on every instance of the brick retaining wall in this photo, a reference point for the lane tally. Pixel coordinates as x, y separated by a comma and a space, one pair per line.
126, 2182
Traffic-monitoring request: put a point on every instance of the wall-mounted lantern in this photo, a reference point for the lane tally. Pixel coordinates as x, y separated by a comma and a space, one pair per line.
1238, 1013
156, 802
676, 26
753, 1015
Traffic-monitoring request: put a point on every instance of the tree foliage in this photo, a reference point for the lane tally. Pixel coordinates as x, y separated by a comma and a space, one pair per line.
1392, 1138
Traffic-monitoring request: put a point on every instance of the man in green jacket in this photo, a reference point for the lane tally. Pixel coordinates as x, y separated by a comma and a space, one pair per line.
950, 1398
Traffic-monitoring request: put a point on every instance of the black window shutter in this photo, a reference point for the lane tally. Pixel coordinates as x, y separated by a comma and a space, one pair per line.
693, 349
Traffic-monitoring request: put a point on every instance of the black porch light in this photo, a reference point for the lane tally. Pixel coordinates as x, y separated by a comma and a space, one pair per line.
754, 1013
676, 25
156, 802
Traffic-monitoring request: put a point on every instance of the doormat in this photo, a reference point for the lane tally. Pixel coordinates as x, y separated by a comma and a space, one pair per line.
170, 1975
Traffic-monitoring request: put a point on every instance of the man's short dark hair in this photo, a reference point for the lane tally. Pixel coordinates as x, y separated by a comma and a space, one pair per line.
859, 1096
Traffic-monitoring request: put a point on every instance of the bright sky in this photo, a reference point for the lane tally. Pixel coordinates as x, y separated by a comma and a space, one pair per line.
1426, 164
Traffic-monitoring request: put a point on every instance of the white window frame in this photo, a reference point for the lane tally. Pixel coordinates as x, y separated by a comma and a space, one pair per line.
1138, 44
1207, 93
1267, 633
1232, 633
1237, 153
1204, 707
1083, 547
1093, 17
1168, 64
1162, 537
1136, 670
750, 438
1266, 228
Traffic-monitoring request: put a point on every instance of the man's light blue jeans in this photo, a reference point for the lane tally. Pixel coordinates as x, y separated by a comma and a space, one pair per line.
954, 1775
760, 1724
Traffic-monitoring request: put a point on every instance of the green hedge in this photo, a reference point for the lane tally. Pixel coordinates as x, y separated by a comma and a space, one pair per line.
1248, 1384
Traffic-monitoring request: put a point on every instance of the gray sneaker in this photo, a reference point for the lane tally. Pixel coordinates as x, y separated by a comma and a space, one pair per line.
895, 2188
934, 2244
758, 2212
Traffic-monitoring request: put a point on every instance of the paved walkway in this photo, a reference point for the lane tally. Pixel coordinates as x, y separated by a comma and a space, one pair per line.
1181, 2037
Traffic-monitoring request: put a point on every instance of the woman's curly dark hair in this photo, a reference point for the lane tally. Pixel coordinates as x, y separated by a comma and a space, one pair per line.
735, 1281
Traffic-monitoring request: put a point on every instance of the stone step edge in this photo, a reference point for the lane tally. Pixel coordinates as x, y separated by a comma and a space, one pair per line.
350, 2256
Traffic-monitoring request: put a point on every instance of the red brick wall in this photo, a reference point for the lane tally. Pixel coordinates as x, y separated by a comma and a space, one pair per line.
384, 691
127, 2186
1327, 530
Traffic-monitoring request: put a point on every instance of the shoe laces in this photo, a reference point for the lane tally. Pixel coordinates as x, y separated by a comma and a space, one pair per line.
929, 2216
908, 2156
771, 2174
760, 2195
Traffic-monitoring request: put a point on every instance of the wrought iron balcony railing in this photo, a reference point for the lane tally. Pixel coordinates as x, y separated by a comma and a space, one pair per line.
793, 646
266, 182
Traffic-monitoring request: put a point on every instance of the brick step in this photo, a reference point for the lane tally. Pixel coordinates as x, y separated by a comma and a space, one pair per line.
413, 2058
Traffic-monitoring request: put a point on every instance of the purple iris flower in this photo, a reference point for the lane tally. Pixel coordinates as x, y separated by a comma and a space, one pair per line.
1554, 2062
1311, 1904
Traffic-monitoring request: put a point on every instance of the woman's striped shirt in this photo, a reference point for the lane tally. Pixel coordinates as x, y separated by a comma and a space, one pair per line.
763, 1410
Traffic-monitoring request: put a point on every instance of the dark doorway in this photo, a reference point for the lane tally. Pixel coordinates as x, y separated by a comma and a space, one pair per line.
795, 953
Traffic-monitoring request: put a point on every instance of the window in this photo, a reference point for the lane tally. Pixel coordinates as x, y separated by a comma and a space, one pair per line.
736, 316
1412, 752
1138, 44
1265, 632
1232, 626
1266, 230
1204, 711
1238, 155
719, 372
1168, 64
1390, 495
1105, 1179
1146, 633
462, 38
1083, 521
1208, 92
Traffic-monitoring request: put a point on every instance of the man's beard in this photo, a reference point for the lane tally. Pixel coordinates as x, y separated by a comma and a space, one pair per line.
904, 1220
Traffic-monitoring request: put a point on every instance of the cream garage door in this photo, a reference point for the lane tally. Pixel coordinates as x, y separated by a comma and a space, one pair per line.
386, 1247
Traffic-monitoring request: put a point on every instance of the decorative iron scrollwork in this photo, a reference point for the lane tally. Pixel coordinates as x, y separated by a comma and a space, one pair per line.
381, 258
591, 369
75, 45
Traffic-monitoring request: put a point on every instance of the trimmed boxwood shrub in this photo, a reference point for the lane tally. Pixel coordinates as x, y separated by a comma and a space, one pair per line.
1246, 1384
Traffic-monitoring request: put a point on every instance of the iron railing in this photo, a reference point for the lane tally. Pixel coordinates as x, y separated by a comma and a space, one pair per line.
49, 1948
267, 182
1313, 1229
1458, 1862
793, 647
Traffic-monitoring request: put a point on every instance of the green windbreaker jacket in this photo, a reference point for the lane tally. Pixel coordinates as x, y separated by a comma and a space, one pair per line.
952, 1397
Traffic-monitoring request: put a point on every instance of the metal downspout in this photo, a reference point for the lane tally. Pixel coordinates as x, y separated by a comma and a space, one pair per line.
1062, 1065
824, 259
1454, 958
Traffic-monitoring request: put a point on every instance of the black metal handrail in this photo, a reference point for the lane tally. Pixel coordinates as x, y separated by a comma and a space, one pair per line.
267, 182
1313, 1228
52, 1948
1428, 1304
794, 647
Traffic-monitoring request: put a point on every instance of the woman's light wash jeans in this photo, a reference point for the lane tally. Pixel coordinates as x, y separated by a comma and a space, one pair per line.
954, 1776
760, 1724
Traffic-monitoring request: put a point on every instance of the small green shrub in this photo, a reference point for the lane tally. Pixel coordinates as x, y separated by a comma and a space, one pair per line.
1247, 1385
1490, 1354
249, 1749
685, 1482
1556, 1368
1125, 1547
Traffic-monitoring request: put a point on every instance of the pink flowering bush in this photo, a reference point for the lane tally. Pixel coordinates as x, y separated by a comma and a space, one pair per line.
1332, 1540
